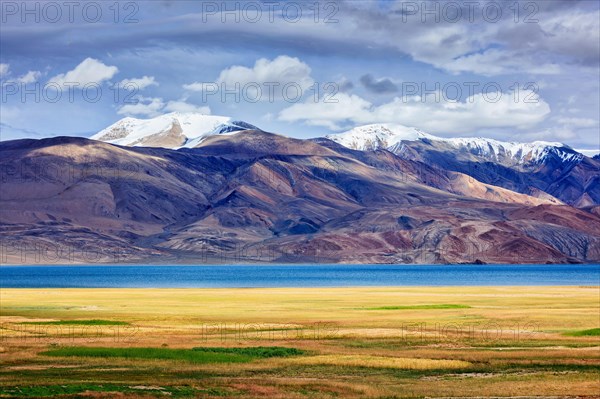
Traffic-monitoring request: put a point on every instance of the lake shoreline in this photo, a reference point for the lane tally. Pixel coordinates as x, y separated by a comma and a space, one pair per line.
280, 276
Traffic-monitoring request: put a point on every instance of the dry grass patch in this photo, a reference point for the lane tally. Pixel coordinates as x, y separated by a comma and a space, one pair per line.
509, 341
380, 362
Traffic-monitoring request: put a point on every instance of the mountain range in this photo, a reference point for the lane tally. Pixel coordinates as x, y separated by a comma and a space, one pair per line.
207, 189
537, 169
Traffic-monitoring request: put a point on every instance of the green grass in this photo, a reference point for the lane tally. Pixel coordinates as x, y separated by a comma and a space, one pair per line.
593, 332
420, 307
531, 357
53, 390
260, 352
195, 355
188, 355
94, 322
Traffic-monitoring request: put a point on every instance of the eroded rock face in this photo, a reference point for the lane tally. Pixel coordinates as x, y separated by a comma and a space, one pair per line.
260, 197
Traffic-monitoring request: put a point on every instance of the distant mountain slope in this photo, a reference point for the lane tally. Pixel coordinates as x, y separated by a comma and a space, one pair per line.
528, 168
393, 136
172, 130
261, 197
378, 136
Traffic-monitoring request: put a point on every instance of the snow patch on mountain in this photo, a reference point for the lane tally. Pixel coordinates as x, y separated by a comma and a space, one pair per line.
392, 137
194, 127
521, 152
377, 136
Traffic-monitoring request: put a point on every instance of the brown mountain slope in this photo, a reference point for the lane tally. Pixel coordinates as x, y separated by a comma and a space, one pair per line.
574, 181
260, 197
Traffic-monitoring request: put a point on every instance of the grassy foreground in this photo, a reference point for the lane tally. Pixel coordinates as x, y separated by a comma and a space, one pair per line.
301, 342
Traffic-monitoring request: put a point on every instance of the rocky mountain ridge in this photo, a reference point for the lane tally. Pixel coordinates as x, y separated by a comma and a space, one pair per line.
260, 197
538, 168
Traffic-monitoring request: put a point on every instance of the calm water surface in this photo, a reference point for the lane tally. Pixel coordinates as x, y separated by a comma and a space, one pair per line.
294, 276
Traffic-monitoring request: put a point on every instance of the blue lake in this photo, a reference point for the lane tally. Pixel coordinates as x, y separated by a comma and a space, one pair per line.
294, 276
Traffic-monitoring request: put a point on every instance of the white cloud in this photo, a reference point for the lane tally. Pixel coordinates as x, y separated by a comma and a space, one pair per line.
196, 86
348, 107
145, 106
556, 133
487, 49
498, 62
154, 106
138, 83
567, 129
183, 106
575, 33
282, 70
29, 77
558, 38
475, 113
588, 152
565, 36
434, 44
89, 71
270, 75
577, 122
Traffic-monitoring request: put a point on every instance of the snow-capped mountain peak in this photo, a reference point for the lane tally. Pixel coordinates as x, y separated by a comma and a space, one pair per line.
377, 136
172, 130
393, 136
520, 152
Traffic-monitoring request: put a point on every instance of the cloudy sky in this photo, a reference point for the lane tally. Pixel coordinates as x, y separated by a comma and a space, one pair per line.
509, 70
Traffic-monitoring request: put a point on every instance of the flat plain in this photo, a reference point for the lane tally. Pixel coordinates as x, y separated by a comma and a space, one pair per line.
379, 342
